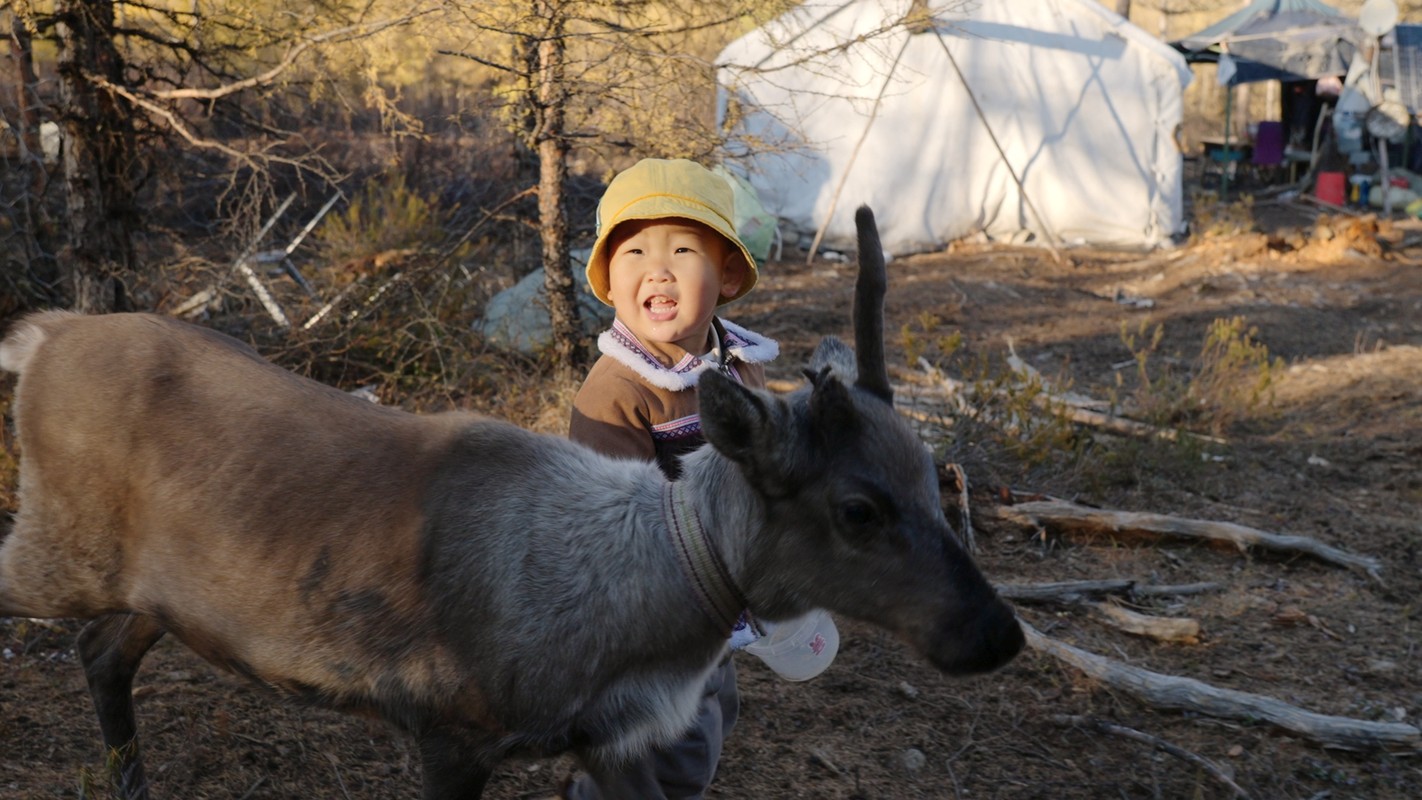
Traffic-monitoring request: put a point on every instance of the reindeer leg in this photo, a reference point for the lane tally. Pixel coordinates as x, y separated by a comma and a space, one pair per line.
456, 765
111, 648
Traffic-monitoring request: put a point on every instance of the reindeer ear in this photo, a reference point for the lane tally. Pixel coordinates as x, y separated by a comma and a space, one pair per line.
831, 409
837, 357
735, 420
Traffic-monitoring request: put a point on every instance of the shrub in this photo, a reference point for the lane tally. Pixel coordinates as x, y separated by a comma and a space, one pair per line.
386, 215
1230, 379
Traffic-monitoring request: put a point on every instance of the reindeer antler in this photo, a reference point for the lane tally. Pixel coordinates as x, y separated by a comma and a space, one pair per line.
869, 309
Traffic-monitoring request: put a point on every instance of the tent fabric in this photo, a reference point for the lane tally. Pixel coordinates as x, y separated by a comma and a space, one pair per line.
1279, 40
1083, 104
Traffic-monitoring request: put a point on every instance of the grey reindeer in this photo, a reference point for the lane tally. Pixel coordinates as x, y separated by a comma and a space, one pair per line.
491, 591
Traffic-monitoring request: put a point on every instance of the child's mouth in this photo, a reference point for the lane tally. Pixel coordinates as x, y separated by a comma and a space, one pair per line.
660, 308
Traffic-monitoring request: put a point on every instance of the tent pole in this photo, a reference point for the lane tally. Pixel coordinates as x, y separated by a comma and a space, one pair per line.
1051, 236
1224, 166
844, 176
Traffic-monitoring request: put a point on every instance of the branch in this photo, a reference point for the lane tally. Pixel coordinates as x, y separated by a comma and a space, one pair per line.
965, 514
1071, 518
173, 120
1181, 753
1162, 629
484, 61
1188, 694
1064, 406
292, 54
1076, 591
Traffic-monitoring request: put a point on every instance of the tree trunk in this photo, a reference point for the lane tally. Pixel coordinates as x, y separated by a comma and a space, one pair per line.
552, 213
22, 51
35, 225
98, 157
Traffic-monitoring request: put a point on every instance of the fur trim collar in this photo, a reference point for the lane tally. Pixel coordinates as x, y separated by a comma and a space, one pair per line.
740, 345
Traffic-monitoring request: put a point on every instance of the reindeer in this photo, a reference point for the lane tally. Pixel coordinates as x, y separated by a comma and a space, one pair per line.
491, 591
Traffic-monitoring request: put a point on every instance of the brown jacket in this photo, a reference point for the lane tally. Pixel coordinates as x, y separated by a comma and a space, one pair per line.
632, 406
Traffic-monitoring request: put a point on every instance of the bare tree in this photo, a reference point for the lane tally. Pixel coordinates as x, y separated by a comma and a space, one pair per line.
28, 270
552, 105
101, 164
137, 78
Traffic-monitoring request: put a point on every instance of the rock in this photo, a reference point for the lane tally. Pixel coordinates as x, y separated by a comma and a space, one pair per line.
517, 317
1381, 666
913, 759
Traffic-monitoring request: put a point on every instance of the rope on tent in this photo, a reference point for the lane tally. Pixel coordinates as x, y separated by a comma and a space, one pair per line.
1052, 240
844, 176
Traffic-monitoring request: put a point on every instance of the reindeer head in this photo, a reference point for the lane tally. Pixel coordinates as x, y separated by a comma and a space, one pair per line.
853, 521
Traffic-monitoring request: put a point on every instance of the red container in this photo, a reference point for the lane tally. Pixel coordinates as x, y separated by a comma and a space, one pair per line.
1331, 188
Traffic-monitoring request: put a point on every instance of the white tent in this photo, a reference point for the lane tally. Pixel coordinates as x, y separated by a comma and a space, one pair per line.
935, 129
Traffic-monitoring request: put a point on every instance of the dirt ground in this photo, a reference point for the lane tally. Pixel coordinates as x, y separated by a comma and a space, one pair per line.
1334, 459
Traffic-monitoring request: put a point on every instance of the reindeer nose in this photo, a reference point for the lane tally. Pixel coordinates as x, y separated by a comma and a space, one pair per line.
988, 641
1002, 637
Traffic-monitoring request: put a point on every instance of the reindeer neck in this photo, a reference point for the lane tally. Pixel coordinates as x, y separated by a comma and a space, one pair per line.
709, 514
700, 561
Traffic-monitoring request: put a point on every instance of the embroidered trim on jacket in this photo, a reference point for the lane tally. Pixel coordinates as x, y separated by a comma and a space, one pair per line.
621, 344
677, 428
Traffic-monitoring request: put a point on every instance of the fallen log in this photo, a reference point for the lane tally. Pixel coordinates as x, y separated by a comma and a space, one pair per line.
1070, 518
1188, 694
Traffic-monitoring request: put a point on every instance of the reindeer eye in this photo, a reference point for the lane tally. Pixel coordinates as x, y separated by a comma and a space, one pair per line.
857, 512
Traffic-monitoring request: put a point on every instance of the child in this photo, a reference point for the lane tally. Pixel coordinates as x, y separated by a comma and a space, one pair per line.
666, 257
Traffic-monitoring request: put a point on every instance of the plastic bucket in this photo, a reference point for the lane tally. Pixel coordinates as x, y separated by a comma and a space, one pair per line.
1330, 188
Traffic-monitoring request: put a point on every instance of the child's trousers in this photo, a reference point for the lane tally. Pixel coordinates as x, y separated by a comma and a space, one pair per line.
683, 770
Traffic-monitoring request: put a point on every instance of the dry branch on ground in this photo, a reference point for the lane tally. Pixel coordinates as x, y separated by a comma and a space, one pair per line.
1162, 629
1211, 768
1069, 518
1072, 407
1076, 591
1188, 694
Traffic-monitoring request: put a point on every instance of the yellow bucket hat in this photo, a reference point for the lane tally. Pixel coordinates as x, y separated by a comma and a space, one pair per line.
657, 188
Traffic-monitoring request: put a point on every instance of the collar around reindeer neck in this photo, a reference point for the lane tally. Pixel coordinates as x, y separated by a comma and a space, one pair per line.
707, 575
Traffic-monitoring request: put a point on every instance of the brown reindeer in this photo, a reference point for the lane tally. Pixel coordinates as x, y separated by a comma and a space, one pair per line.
491, 591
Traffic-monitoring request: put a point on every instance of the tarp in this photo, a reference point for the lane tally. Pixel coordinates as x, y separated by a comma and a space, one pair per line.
1284, 40
833, 105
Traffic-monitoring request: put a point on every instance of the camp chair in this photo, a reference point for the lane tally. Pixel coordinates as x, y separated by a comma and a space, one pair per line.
1267, 161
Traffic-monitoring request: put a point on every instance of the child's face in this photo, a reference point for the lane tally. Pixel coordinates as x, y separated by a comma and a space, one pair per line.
665, 277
